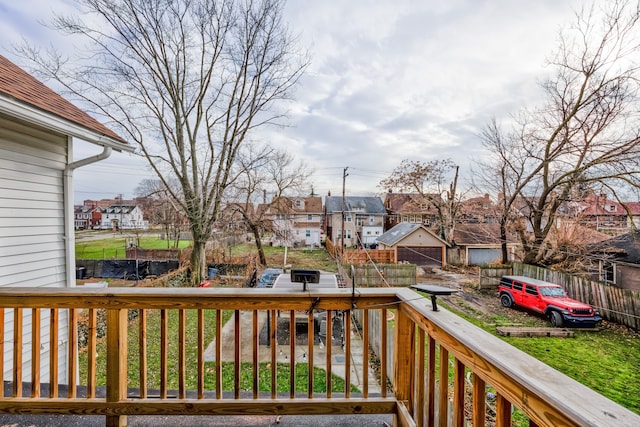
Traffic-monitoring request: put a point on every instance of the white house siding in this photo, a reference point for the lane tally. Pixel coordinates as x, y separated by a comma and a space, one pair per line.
32, 251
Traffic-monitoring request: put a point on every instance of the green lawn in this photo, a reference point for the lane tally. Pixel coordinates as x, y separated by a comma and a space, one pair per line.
607, 361
153, 360
115, 247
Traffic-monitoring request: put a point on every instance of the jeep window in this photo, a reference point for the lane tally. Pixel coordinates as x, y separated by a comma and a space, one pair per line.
531, 290
549, 291
517, 286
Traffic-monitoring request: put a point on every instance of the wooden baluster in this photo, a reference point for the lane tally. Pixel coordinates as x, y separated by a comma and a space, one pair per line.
201, 349
420, 379
458, 394
236, 355
329, 339
310, 343
255, 341
383, 355
347, 354
54, 318
431, 382
142, 352
116, 362
273, 342
478, 402
292, 354
164, 352
503, 412
1, 352
35, 352
443, 392
182, 356
73, 353
365, 353
91, 354
218, 367
17, 352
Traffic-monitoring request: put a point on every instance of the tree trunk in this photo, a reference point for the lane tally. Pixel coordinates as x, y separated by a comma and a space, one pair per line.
198, 262
258, 239
503, 241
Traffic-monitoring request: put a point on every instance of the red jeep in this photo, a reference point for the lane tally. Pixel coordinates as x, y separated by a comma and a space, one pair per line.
548, 299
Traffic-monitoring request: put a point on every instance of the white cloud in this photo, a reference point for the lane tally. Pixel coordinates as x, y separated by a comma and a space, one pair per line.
389, 80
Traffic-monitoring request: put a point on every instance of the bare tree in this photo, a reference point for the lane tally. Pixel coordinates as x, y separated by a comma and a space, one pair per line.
267, 171
188, 81
162, 209
586, 134
436, 183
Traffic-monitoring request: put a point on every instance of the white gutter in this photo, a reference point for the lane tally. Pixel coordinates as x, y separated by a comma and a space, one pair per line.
69, 226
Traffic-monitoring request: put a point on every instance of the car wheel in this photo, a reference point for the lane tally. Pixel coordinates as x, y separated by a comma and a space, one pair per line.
506, 301
556, 319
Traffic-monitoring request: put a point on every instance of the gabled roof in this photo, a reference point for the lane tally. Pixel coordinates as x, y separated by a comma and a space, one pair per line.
625, 248
479, 234
402, 230
365, 204
409, 203
19, 89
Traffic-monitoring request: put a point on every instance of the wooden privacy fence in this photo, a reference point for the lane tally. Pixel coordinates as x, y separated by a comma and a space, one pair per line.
373, 276
615, 304
489, 276
361, 256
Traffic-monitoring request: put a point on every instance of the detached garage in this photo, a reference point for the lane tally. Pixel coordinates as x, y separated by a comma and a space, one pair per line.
415, 244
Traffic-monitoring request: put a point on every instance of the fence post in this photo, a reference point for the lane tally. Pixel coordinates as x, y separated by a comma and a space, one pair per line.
116, 362
404, 357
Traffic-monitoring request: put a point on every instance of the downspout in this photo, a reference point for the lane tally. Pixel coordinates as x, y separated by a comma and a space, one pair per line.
69, 231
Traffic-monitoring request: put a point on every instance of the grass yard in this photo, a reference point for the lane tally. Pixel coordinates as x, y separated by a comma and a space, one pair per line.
153, 361
607, 361
115, 247
313, 259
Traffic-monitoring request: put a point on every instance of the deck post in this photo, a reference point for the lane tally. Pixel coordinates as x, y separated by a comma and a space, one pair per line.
116, 362
404, 357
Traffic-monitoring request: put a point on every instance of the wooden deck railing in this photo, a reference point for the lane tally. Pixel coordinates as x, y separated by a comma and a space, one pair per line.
426, 391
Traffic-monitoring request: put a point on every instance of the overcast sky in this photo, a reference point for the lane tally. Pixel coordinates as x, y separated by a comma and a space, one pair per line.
389, 80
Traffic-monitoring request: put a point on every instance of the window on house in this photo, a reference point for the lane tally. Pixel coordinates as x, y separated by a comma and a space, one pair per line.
371, 219
347, 218
339, 233
309, 217
347, 234
308, 233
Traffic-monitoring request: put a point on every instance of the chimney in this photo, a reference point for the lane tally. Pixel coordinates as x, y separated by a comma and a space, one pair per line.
329, 193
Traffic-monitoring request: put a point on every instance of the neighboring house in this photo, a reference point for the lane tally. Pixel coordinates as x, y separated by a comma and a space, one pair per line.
601, 214
410, 208
478, 244
415, 244
37, 244
617, 261
477, 210
123, 217
231, 217
364, 219
307, 220
294, 220
87, 217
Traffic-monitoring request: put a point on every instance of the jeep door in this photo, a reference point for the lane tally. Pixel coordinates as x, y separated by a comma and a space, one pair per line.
532, 298
517, 291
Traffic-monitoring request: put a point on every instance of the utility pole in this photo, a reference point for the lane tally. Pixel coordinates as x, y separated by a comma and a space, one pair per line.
344, 181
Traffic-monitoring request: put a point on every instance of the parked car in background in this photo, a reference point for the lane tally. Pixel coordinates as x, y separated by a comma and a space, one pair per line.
548, 299
269, 276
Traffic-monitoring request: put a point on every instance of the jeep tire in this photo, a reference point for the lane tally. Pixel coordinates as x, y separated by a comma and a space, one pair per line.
506, 300
555, 318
